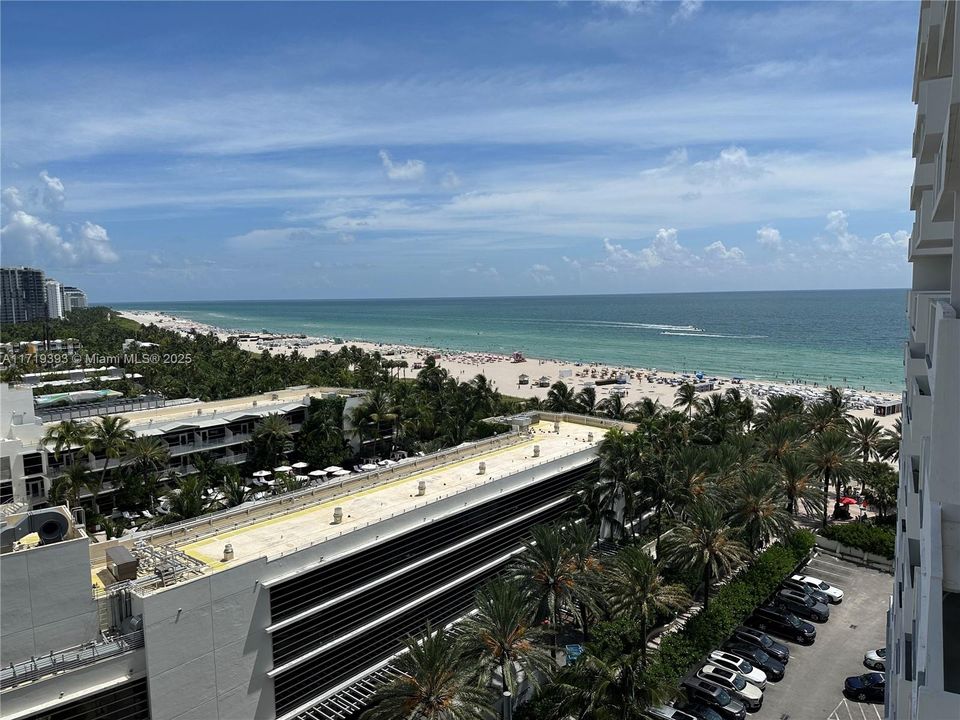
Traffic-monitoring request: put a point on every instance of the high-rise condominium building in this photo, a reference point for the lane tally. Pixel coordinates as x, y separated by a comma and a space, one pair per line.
923, 652
54, 299
23, 295
73, 298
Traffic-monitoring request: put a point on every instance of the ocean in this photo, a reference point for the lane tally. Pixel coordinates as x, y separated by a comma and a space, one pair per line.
845, 337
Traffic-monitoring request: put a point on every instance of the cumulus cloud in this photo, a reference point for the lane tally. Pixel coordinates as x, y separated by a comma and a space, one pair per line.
720, 251
10, 197
839, 229
93, 243
899, 239
686, 10
541, 274
51, 192
732, 164
769, 237
663, 249
409, 170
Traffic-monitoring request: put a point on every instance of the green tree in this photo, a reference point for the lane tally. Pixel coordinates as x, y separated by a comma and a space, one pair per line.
561, 398
757, 507
832, 458
888, 447
110, 436
686, 398
587, 401
66, 436
271, 441
187, 500
798, 484
66, 488
502, 638
882, 486
703, 541
637, 591
436, 681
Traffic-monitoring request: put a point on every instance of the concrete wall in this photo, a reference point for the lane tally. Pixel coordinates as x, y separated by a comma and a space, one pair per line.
46, 600
207, 649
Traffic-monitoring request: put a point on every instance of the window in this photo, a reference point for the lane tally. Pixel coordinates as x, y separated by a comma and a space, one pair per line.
5, 473
33, 464
35, 487
6, 491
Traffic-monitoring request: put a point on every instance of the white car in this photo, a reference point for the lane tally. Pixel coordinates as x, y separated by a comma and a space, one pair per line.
876, 659
834, 593
734, 683
732, 662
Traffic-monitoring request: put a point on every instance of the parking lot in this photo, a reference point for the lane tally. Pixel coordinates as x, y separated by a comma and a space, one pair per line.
812, 686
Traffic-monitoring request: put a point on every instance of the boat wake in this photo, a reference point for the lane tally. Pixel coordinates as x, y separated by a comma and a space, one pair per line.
713, 335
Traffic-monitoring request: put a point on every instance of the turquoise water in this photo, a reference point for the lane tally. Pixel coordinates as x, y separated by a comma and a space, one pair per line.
848, 337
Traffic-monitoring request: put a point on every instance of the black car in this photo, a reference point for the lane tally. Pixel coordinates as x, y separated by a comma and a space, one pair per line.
802, 605
796, 585
783, 623
706, 693
757, 638
703, 712
758, 658
870, 686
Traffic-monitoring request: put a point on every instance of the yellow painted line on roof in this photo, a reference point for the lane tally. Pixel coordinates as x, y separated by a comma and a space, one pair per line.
191, 548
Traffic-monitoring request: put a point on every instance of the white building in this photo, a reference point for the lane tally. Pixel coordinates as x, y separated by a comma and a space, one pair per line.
293, 608
54, 298
923, 662
73, 298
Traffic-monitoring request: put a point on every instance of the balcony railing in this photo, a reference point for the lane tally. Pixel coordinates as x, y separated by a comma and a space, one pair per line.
66, 660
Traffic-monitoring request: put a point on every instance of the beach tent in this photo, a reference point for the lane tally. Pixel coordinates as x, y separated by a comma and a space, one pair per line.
523, 380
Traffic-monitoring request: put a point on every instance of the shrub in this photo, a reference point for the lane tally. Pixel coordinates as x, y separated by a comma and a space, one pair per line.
864, 536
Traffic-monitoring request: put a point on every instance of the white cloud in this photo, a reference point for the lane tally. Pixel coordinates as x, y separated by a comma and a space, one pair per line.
686, 10
11, 199
541, 274
899, 239
721, 252
273, 238
769, 237
94, 244
838, 227
487, 271
677, 156
409, 170
664, 249
450, 180
28, 232
51, 194
732, 164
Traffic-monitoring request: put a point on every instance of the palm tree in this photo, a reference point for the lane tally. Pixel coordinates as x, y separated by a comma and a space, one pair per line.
437, 681
757, 507
550, 572
832, 458
780, 438
187, 500
595, 689
888, 448
824, 415
619, 480
778, 408
587, 401
271, 439
502, 638
797, 484
148, 454
703, 541
613, 407
110, 437
686, 398
865, 434
67, 486
234, 488
637, 591
560, 398
67, 435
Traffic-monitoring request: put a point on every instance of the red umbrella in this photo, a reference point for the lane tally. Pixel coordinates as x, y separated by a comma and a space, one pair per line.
847, 501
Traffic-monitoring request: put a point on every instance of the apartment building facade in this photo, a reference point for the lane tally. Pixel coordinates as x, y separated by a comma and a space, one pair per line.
283, 609
923, 665
23, 295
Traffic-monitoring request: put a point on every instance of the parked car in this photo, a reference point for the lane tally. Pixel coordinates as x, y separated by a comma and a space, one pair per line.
834, 593
870, 686
783, 623
751, 674
713, 696
757, 638
797, 586
802, 605
734, 683
665, 712
703, 712
773, 668
876, 659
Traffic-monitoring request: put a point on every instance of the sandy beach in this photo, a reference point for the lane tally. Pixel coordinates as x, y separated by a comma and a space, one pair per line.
504, 371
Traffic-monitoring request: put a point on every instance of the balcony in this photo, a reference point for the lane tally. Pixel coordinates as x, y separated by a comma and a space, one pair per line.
946, 171
920, 305
922, 180
932, 106
930, 237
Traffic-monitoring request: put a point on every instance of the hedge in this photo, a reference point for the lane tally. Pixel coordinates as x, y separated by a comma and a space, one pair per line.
732, 604
864, 536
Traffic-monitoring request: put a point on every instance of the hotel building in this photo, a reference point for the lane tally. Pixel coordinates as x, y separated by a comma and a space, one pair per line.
923, 655
293, 608
23, 295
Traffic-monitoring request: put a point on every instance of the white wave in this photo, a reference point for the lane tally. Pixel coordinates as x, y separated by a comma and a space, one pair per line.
649, 326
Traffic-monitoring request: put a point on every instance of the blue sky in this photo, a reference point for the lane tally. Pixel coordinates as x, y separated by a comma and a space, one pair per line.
305, 150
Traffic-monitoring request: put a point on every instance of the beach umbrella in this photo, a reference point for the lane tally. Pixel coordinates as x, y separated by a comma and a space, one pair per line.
341, 473
368, 467
847, 501
283, 468
300, 465
261, 473
317, 473
333, 469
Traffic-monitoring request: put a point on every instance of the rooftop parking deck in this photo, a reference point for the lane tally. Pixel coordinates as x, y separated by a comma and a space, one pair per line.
310, 525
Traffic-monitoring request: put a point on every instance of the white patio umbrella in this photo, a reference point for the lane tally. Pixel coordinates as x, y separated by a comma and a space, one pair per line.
303, 478
300, 465
261, 473
368, 466
341, 473
283, 468
332, 469
317, 473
